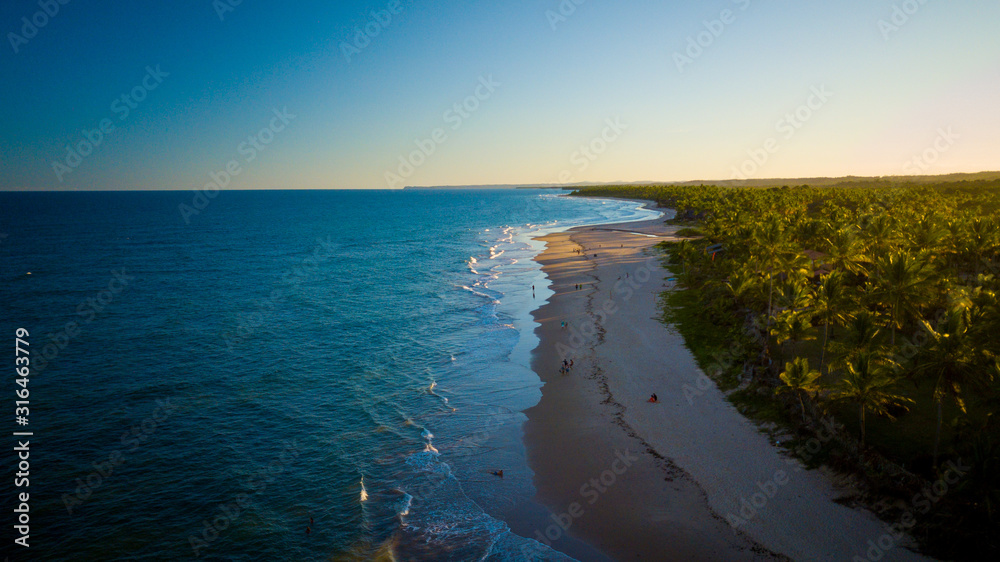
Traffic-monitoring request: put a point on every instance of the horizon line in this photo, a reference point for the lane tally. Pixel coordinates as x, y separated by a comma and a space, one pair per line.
566, 186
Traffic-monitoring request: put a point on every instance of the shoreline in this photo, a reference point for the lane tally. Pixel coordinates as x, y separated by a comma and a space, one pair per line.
665, 480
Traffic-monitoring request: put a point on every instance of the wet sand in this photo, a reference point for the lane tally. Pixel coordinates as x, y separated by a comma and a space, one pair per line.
658, 481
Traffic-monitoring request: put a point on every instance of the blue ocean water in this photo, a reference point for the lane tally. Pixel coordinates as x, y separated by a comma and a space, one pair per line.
353, 363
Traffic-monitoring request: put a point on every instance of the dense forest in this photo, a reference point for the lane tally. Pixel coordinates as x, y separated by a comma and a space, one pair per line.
875, 304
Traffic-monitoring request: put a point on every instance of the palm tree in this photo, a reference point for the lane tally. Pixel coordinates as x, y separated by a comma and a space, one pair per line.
880, 230
927, 232
845, 250
950, 359
900, 282
829, 305
798, 378
792, 326
682, 254
741, 285
868, 381
810, 230
863, 331
793, 293
982, 240
984, 317
772, 250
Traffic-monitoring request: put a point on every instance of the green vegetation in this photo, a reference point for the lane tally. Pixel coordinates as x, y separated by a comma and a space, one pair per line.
893, 290
689, 232
800, 379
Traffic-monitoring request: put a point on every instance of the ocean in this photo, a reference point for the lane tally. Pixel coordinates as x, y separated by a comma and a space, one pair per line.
285, 375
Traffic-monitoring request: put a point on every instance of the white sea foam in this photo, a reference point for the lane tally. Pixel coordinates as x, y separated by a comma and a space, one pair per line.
407, 502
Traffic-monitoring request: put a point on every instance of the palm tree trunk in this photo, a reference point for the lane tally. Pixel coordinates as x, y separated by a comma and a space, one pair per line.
895, 314
822, 353
803, 406
770, 300
937, 433
861, 420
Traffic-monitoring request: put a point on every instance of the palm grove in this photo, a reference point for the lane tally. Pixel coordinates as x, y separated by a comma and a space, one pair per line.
876, 304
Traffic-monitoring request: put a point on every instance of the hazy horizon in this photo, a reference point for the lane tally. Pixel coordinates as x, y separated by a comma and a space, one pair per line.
248, 96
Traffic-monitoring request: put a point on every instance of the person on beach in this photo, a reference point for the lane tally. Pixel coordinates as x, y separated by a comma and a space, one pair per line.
497, 473
563, 324
654, 399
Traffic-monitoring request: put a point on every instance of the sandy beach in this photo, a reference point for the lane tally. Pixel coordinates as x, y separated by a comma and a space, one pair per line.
688, 478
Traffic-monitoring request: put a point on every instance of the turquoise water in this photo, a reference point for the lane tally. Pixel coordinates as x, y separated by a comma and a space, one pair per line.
350, 362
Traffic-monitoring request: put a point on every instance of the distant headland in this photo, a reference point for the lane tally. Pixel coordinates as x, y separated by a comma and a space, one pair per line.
763, 182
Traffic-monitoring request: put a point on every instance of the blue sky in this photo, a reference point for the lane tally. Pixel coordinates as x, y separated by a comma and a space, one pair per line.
911, 94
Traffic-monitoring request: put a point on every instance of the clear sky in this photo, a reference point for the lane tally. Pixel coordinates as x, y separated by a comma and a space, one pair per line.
596, 91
